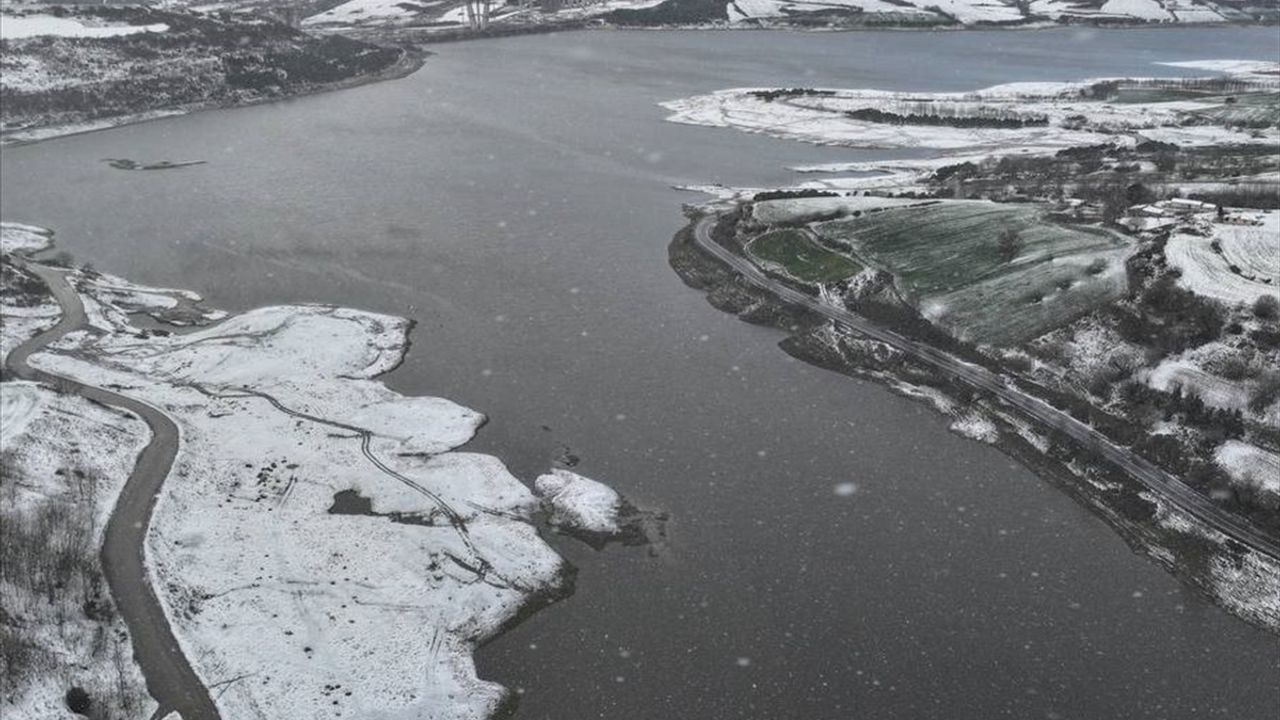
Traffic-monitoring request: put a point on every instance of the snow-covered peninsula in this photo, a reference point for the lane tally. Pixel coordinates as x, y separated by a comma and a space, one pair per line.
285, 600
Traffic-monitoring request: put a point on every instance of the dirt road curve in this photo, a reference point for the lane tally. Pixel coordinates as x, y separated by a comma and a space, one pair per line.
170, 679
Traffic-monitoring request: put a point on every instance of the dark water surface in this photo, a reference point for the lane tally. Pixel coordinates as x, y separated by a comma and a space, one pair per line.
514, 198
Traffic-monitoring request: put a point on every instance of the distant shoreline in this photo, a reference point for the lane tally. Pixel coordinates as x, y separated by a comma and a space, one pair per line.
427, 35
408, 39
410, 61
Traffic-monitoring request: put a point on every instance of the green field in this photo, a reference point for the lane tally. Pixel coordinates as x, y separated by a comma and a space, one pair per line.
1127, 94
1248, 109
801, 258
947, 262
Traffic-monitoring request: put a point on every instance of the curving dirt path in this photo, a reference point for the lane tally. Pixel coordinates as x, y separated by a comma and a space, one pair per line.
170, 679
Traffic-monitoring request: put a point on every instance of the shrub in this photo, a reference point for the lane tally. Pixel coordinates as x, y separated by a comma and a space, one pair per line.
1009, 244
1266, 307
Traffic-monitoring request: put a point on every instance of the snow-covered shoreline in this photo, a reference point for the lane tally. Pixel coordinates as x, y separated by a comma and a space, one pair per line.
288, 607
1040, 117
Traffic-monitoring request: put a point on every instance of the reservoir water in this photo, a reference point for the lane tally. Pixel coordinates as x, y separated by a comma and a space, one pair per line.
516, 199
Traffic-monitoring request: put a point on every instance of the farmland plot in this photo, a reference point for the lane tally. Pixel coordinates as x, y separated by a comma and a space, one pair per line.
794, 253
947, 261
1245, 264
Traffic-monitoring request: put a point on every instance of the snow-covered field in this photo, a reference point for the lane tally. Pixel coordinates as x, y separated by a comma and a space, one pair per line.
451, 15
16, 237
294, 608
972, 11
22, 323
21, 319
1141, 9
1251, 245
1252, 466
1191, 372
752, 10
19, 27
65, 460
753, 13
823, 118
359, 11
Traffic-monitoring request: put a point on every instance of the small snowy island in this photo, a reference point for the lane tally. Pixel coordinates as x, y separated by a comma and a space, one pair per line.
594, 512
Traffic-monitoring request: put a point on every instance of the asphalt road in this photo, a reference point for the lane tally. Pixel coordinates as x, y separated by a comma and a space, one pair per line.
170, 679
1168, 487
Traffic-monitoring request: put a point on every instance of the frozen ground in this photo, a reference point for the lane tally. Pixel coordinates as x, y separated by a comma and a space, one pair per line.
25, 316
1252, 466
450, 15
18, 27
65, 460
361, 11
22, 323
1244, 265
16, 237
291, 608
755, 13
1191, 372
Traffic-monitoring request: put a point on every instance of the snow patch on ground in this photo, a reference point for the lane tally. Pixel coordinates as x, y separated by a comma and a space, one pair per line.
359, 11
24, 315
16, 237
976, 426
65, 458
23, 323
1249, 586
20, 27
1141, 9
1250, 465
974, 11
795, 211
1252, 247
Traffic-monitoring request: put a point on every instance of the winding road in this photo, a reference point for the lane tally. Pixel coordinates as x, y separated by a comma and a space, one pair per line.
1168, 487
170, 679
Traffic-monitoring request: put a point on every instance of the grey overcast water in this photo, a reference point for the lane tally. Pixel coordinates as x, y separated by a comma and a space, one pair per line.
514, 197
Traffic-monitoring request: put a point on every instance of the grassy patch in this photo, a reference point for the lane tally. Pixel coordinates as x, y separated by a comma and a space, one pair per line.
1156, 94
949, 263
1247, 110
801, 258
